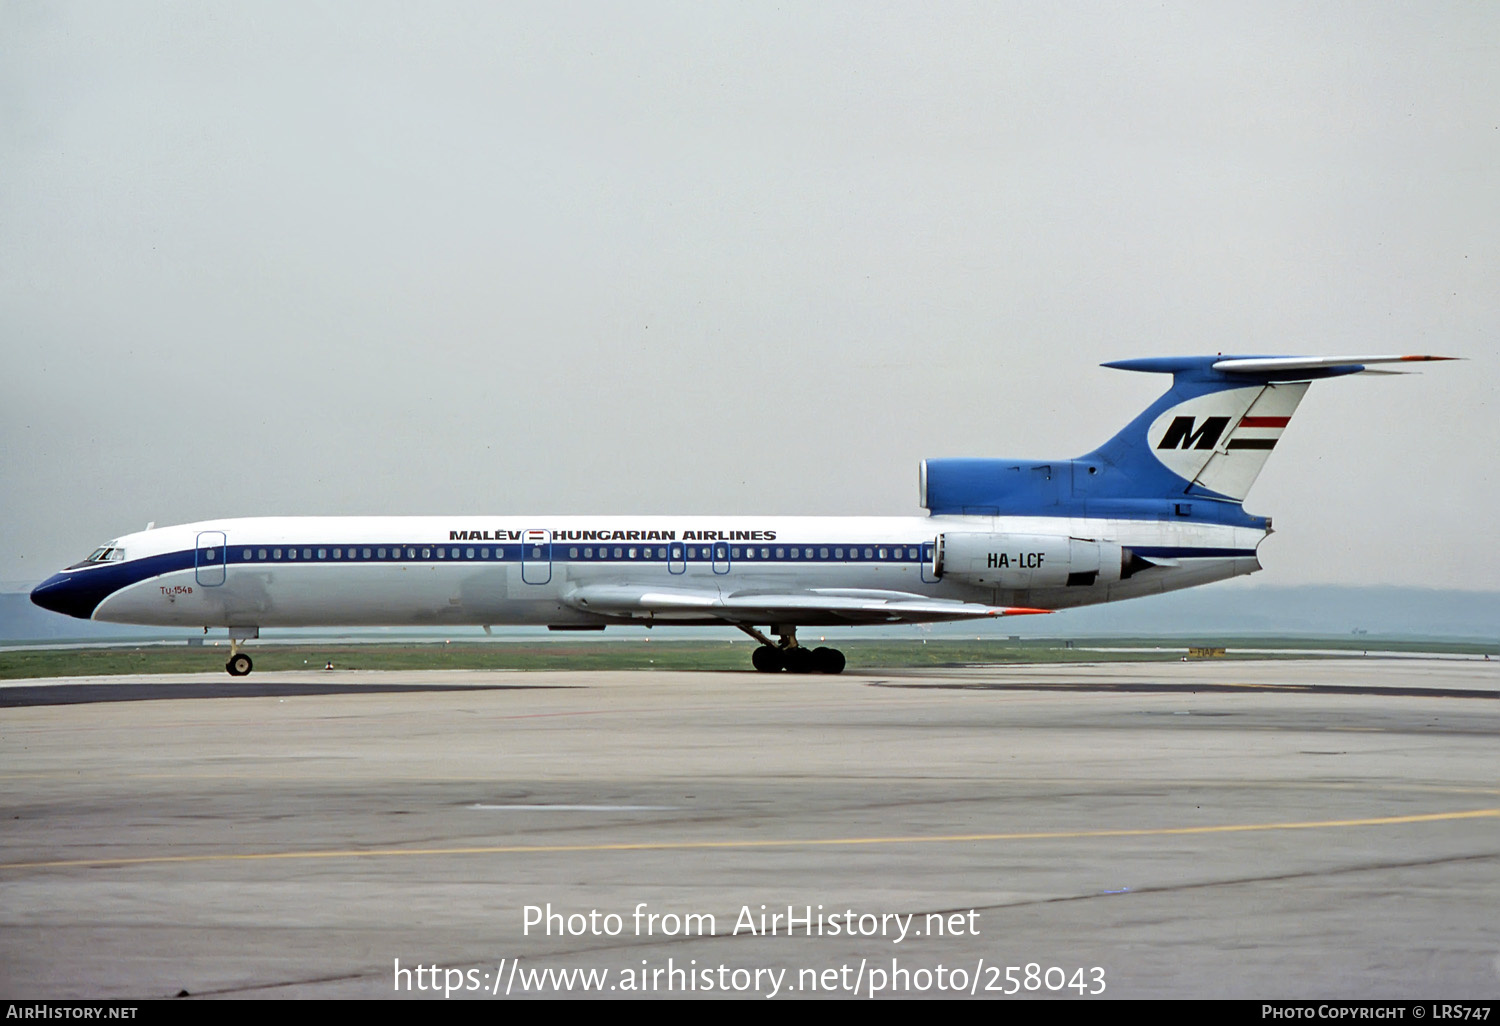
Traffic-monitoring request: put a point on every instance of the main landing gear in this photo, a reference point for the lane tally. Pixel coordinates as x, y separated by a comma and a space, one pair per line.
786, 654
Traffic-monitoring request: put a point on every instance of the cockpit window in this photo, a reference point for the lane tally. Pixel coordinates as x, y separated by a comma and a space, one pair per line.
110, 553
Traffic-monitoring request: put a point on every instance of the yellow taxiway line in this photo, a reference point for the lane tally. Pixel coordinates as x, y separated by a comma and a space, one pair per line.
805, 842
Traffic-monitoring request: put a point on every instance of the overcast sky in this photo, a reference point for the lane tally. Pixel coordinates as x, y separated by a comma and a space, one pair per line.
348, 258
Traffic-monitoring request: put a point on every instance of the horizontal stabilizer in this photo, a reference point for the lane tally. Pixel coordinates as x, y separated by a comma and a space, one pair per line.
1284, 364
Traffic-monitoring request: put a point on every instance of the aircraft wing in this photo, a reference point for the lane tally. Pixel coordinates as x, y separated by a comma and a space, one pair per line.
813, 606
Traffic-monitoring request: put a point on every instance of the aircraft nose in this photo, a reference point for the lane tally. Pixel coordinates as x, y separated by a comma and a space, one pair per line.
61, 594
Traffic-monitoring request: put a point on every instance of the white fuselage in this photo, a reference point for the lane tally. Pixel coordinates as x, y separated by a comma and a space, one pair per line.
481, 570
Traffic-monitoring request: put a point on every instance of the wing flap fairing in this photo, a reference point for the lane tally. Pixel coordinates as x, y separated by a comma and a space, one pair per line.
833, 605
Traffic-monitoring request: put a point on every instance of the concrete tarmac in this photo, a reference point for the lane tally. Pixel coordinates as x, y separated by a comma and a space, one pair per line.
1267, 830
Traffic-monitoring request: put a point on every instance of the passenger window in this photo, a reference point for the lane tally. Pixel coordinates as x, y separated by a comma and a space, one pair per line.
246, 554
275, 553
868, 553
882, 553
367, 554
426, 553
484, 553
208, 554
338, 553
838, 553
822, 553
441, 553
291, 553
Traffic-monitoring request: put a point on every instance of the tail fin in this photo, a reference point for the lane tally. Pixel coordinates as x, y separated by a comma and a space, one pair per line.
1215, 427
1218, 441
1194, 452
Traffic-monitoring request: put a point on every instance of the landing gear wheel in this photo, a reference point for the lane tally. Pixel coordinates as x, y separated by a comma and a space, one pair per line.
799, 660
766, 659
828, 660
239, 665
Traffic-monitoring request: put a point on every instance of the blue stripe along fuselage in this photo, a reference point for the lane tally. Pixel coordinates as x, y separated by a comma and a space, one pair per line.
79, 591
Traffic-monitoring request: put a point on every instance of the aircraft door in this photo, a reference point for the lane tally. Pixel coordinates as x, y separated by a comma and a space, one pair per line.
536, 557
210, 558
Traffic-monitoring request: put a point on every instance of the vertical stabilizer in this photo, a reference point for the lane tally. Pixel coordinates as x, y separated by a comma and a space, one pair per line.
1219, 441
1193, 454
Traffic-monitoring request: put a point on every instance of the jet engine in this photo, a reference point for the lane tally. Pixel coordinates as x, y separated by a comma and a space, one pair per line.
1026, 561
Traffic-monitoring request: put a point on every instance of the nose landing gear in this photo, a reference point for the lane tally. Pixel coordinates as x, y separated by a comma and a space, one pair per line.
239, 664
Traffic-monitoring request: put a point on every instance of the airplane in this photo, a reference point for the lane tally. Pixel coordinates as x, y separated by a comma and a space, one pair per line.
1156, 508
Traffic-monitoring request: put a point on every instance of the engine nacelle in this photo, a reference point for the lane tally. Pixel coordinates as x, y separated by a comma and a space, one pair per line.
1027, 561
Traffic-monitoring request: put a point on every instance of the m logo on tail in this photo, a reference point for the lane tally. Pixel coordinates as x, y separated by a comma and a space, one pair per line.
1219, 441
1180, 435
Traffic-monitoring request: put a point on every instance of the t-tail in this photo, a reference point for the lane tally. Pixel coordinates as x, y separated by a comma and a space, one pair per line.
1193, 454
